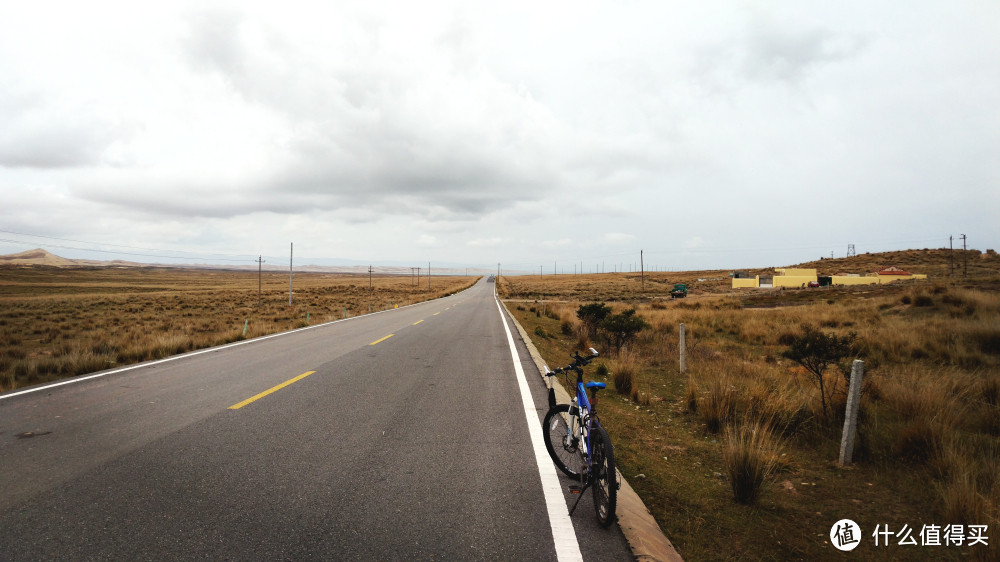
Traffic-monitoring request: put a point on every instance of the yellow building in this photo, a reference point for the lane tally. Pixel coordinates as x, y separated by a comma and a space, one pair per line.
800, 278
855, 280
797, 278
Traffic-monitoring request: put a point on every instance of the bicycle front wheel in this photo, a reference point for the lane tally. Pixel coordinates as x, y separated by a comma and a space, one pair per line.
604, 481
563, 447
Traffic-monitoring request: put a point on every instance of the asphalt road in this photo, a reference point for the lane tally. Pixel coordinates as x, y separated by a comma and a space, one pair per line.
414, 445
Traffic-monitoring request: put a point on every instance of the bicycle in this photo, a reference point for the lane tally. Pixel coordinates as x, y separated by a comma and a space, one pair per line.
578, 444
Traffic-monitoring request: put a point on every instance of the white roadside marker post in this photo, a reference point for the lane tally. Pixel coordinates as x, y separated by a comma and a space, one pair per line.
683, 353
851, 415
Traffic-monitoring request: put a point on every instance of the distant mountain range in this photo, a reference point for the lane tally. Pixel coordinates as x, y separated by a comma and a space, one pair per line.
43, 257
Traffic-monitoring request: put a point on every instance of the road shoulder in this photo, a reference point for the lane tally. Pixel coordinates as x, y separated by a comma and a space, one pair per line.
643, 534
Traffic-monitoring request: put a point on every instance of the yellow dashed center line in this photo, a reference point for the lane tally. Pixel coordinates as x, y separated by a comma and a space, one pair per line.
417, 322
270, 390
436, 313
382, 339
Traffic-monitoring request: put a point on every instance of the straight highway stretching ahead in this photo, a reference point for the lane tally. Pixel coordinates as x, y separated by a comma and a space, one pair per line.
394, 435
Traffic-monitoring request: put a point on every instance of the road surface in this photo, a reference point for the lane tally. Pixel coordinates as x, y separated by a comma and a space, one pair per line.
395, 435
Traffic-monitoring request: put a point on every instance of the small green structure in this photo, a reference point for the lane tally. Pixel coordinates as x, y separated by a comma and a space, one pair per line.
680, 291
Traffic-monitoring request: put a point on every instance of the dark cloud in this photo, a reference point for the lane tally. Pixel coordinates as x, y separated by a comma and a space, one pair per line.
789, 54
365, 129
765, 51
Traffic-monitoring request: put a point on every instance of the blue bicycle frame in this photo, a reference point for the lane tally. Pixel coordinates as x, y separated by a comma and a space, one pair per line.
583, 405
578, 444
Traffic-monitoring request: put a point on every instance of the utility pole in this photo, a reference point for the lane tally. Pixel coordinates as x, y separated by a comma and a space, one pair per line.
642, 270
260, 260
291, 252
428, 276
540, 272
369, 278
951, 255
418, 277
965, 259
850, 251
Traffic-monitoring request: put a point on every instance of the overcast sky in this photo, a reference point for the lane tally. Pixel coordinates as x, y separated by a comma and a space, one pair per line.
709, 134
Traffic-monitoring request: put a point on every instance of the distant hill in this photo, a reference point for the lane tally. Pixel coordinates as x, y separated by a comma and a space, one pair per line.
42, 257
934, 263
37, 256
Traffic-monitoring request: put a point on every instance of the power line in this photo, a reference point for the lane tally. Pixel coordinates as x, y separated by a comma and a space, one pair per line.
116, 252
715, 250
199, 257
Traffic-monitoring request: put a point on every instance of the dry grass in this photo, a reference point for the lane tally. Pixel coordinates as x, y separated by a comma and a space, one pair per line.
926, 449
625, 372
66, 322
751, 455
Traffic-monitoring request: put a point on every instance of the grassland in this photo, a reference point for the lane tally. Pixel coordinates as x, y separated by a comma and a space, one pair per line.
64, 322
928, 450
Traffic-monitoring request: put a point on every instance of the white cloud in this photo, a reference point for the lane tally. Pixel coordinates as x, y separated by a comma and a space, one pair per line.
429, 128
618, 237
560, 243
426, 240
486, 242
695, 242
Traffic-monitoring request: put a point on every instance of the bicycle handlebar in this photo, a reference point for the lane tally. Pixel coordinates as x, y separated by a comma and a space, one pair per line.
579, 362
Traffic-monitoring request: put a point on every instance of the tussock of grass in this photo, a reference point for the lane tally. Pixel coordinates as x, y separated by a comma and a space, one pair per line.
624, 372
751, 456
717, 406
691, 395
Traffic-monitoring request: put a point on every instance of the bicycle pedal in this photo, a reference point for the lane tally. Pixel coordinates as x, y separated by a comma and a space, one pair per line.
575, 489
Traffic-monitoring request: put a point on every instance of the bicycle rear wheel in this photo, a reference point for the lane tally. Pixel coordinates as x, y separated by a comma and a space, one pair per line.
604, 483
562, 447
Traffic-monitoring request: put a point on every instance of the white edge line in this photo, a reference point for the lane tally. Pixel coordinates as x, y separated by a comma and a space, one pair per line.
563, 533
75, 380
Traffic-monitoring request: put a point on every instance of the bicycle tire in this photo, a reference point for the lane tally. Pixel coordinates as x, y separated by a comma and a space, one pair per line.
566, 456
604, 483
